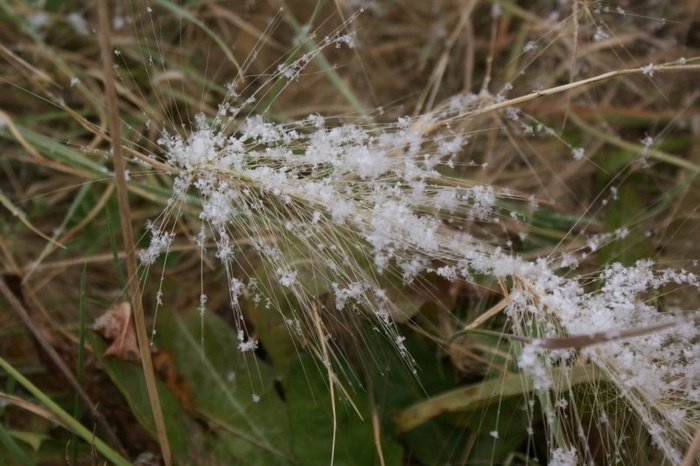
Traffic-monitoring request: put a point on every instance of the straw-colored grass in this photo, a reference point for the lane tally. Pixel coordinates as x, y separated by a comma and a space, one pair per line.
451, 232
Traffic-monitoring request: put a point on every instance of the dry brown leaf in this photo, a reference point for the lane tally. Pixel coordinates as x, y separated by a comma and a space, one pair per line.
117, 326
165, 367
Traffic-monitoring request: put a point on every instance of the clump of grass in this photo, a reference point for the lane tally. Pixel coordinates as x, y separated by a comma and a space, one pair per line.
325, 229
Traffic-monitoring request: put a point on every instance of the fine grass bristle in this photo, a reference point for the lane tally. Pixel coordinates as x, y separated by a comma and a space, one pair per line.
413, 232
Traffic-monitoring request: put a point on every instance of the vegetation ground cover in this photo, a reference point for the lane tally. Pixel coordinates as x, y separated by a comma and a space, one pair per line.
451, 232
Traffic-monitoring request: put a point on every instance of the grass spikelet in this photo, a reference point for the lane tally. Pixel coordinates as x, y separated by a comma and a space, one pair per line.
352, 215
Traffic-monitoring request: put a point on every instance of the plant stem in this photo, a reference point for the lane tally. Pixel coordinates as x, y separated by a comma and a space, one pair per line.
127, 229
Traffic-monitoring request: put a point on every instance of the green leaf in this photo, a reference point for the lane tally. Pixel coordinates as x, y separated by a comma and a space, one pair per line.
233, 391
56, 410
311, 413
183, 13
129, 380
224, 385
626, 211
7, 439
275, 334
32, 439
499, 429
492, 390
396, 387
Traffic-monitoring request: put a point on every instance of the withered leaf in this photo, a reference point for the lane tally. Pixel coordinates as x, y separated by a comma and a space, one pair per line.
117, 326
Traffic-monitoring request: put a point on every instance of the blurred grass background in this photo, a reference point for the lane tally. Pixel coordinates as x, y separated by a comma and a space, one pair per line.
412, 57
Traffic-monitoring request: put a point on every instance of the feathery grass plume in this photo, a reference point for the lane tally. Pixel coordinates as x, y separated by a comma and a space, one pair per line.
340, 211
352, 214
342, 217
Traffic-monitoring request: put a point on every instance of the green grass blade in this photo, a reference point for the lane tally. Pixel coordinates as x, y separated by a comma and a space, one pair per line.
12, 447
324, 65
483, 393
111, 229
183, 13
104, 449
77, 403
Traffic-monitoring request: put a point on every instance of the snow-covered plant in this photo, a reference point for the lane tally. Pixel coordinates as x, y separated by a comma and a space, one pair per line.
345, 211
326, 230
342, 219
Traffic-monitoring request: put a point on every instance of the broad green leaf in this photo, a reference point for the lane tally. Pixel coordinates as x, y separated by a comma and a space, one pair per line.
499, 429
625, 211
128, 378
396, 387
234, 393
311, 413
